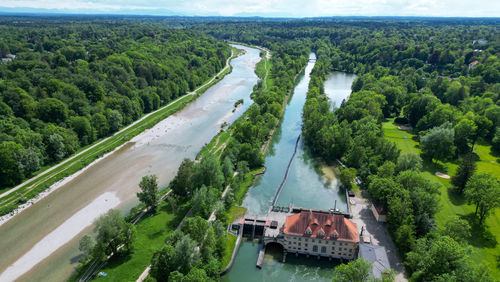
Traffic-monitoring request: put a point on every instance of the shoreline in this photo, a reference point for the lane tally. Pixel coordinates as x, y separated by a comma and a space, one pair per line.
60, 183
5, 218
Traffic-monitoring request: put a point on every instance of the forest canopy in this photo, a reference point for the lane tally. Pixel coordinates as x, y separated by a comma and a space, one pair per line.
63, 86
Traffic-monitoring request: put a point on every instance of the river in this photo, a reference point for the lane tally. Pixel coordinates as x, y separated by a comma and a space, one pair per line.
41, 243
307, 186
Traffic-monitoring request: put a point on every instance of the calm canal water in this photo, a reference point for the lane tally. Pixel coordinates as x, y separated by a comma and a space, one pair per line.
158, 151
306, 187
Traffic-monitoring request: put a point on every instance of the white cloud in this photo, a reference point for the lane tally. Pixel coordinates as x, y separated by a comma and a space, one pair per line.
294, 8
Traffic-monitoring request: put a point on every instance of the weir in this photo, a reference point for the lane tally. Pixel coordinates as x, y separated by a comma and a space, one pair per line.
286, 174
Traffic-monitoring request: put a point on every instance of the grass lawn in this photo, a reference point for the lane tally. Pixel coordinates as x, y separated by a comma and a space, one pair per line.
485, 240
234, 213
228, 252
216, 145
151, 234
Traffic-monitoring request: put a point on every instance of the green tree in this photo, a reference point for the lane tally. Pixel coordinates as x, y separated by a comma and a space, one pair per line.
356, 270
28, 161
115, 120
100, 124
347, 177
227, 168
495, 142
55, 147
465, 135
86, 245
10, 173
163, 263
196, 275
386, 170
208, 172
83, 129
186, 254
149, 194
113, 231
439, 257
52, 110
483, 190
204, 200
457, 228
438, 143
196, 227
408, 161
182, 182
464, 172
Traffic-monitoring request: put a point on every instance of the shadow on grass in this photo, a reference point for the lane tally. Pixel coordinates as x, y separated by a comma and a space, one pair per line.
156, 234
76, 258
433, 167
480, 237
455, 198
118, 260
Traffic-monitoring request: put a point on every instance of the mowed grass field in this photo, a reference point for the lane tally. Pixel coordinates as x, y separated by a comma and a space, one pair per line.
152, 231
485, 239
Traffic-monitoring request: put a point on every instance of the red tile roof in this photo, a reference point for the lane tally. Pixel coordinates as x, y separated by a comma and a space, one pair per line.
334, 226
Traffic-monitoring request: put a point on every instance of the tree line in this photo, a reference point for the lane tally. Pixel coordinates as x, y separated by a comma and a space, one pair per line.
72, 83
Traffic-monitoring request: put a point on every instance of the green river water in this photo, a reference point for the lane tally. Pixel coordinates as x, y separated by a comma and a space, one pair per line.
305, 187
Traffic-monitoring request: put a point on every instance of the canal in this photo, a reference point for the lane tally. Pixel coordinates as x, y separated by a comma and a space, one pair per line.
41, 243
309, 185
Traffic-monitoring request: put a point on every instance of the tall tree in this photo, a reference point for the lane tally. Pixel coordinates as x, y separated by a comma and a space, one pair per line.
438, 143
464, 172
347, 177
356, 270
483, 190
182, 183
149, 194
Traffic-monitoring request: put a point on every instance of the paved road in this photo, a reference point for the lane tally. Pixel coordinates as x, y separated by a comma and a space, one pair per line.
363, 216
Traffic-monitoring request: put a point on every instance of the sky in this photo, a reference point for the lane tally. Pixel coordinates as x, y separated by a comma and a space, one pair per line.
269, 8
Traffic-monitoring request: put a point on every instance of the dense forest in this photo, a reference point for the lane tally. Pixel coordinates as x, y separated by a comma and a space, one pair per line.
63, 86
69, 85
440, 79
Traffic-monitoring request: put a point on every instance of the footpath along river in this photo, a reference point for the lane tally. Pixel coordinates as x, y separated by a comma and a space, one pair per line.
41, 243
307, 186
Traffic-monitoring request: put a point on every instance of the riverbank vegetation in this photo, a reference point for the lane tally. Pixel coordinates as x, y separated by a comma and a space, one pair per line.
71, 84
449, 120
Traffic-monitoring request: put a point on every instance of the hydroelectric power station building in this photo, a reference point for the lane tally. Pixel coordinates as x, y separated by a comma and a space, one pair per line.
318, 234
311, 232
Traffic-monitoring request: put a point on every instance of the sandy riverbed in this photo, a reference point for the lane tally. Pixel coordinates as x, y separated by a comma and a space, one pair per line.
61, 235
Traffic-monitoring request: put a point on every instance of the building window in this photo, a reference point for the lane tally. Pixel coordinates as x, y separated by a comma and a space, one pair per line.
315, 248
319, 241
312, 240
326, 242
323, 249
299, 243
340, 244
307, 240
300, 239
333, 253
333, 248
333, 243
299, 248
345, 249
350, 250
306, 244
289, 243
